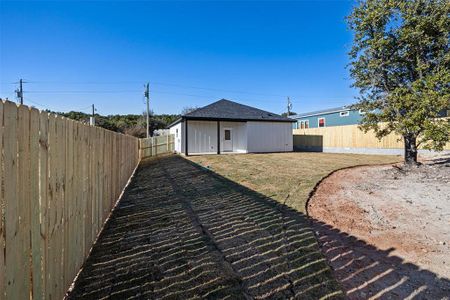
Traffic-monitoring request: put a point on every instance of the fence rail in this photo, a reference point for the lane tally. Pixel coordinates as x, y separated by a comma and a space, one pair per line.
60, 179
156, 145
344, 137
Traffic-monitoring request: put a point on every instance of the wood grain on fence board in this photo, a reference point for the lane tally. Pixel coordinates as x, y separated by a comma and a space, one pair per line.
36, 247
2, 215
14, 285
60, 180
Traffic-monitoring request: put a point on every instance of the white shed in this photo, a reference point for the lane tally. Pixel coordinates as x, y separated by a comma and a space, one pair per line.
229, 127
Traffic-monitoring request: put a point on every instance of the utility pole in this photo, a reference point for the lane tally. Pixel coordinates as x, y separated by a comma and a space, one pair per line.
147, 96
289, 106
92, 120
19, 92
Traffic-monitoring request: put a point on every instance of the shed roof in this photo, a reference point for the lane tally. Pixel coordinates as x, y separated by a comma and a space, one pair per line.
229, 110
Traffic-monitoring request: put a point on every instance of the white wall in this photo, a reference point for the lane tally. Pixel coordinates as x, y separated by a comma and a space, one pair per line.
202, 137
269, 136
238, 135
179, 137
249, 136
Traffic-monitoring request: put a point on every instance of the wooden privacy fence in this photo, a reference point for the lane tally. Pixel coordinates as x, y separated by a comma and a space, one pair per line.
60, 179
343, 137
156, 145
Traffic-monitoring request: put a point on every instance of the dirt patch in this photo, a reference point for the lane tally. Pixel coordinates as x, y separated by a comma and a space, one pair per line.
386, 233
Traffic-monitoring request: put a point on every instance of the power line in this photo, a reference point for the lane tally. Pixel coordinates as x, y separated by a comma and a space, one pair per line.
217, 90
83, 108
164, 84
81, 92
36, 103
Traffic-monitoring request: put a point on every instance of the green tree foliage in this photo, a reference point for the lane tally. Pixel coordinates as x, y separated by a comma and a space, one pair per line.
400, 62
128, 124
285, 114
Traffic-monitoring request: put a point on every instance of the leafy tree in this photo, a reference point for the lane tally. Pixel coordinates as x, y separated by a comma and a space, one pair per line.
291, 113
400, 62
188, 109
128, 124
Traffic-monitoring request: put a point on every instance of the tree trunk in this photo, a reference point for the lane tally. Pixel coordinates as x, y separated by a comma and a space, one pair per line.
410, 149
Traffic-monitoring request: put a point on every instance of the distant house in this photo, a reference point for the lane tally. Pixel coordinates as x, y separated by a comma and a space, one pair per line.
329, 117
337, 116
229, 127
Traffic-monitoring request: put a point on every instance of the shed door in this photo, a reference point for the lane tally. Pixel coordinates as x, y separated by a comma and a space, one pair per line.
227, 140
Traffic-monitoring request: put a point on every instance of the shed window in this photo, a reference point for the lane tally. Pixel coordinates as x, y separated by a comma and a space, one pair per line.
176, 132
227, 135
344, 113
306, 124
302, 125
321, 122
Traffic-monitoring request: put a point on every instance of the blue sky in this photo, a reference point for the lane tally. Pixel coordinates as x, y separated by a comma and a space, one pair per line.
74, 54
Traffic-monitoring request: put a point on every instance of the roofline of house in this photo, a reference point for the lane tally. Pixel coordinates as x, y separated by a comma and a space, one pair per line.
287, 120
321, 113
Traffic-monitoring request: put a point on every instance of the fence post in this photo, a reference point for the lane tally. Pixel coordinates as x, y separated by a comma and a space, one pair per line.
168, 145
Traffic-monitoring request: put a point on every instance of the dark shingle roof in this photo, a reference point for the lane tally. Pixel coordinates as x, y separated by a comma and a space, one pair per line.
229, 110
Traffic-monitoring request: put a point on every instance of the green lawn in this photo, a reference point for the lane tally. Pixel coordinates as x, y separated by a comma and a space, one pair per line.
285, 177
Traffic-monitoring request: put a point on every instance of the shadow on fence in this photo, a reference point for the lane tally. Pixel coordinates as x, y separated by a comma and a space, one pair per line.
308, 143
182, 231
59, 179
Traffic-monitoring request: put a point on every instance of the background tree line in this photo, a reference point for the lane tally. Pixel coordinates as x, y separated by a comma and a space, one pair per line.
131, 124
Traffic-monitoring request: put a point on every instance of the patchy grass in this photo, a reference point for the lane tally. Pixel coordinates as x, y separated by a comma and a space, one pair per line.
285, 177
181, 232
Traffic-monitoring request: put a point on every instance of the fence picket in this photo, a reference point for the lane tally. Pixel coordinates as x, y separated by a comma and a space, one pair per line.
2, 216
43, 198
60, 180
14, 285
36, 245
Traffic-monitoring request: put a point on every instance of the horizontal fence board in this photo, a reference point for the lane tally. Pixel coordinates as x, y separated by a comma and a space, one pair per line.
60, 180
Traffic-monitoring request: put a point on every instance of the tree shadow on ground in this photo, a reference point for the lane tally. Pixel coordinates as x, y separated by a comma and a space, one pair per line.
443, 160
366, 272
181, 231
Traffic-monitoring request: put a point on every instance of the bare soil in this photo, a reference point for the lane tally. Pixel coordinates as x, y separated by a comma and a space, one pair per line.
386, 232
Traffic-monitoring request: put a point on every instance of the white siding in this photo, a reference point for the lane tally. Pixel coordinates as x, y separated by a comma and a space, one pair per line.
239, 135
247, 137
202, 137
269, 136
179, 140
